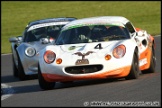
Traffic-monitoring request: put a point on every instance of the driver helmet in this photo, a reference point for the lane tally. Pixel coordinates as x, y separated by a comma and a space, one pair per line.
39, 32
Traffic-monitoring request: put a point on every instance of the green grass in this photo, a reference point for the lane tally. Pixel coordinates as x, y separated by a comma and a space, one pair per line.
16, 14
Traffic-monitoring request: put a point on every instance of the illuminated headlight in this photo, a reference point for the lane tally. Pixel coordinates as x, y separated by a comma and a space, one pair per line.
30, 51
119, 51
49, 56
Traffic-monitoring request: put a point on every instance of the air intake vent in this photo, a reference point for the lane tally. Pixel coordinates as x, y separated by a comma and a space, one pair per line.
83, 69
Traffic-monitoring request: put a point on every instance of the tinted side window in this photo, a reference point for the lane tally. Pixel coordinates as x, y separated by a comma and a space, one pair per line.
130, 27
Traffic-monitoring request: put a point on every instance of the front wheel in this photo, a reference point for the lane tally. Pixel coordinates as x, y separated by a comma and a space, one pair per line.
21, 73
42, 83
134, 72
15, 70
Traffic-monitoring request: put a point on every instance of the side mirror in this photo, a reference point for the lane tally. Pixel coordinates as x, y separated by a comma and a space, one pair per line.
13, 39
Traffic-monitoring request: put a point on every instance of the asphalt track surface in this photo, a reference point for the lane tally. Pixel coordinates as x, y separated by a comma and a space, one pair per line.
144, 91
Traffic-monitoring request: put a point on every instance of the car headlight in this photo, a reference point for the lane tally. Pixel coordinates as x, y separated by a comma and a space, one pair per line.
119, 51
49, 56
30, 51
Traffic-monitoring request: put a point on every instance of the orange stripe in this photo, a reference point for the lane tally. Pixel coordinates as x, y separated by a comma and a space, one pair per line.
117, 73
146, 54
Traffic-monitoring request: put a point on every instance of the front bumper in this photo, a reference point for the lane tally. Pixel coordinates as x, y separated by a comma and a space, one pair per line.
116, 73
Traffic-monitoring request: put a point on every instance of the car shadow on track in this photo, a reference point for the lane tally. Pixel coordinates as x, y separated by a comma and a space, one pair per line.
11, 78
34, 87
59, 85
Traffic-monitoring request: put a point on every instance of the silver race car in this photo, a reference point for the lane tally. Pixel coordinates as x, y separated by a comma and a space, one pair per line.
36, 36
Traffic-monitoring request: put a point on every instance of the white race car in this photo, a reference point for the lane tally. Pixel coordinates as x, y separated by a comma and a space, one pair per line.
97, 47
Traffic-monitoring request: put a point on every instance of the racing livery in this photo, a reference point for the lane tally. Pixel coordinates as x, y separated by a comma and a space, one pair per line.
36, 36
94, 48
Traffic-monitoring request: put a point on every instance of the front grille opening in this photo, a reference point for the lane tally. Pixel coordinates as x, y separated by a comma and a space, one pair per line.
83, 69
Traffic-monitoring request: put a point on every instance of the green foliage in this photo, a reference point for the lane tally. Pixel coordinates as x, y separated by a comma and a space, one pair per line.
15, 15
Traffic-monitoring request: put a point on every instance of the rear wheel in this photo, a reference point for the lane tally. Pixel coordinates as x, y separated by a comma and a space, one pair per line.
134, 72
42, 83
151, 69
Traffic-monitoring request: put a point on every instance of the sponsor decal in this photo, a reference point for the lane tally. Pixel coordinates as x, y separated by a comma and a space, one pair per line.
143, 61
73, 47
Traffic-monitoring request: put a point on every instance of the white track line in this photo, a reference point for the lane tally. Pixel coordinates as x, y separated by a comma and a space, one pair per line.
7, 91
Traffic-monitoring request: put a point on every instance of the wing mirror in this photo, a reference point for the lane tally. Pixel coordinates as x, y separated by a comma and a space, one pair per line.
15, 39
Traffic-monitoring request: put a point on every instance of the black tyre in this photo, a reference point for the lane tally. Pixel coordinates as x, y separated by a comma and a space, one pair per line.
15, 70
135, 70
44, 84
21, 73
151, 68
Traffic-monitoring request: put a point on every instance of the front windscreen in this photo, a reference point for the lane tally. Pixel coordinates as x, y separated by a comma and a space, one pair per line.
92, 33
42, 32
